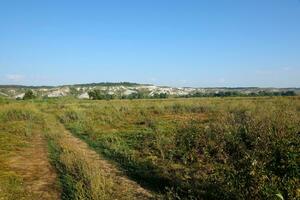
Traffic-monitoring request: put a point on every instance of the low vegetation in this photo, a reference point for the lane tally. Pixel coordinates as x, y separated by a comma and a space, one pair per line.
198, 148
18, 124
82, 175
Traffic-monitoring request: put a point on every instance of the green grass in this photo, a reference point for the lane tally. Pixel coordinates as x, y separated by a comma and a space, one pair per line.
81, 176
206, 148
16, 125
228, 148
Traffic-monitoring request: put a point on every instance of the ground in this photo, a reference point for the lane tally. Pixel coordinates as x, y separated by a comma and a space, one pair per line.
33, 166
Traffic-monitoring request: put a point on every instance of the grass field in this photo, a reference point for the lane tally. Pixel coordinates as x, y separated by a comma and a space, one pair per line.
200, 148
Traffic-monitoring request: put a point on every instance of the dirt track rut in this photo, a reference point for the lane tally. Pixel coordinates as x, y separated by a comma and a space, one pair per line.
33, 166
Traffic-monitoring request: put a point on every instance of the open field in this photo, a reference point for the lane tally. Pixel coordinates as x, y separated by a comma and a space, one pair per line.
200, 148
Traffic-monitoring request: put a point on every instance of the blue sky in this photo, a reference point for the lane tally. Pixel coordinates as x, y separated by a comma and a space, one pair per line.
165, 42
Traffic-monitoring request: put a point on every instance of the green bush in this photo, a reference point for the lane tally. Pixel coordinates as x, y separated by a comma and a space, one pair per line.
29, 95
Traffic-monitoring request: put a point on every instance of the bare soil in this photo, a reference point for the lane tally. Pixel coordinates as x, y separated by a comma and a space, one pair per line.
33, 166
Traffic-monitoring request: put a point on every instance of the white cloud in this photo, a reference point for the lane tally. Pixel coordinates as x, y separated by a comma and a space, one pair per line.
15, 77
153, 79
286, 68
221, 80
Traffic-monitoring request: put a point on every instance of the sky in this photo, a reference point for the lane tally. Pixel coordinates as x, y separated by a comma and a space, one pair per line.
198, 43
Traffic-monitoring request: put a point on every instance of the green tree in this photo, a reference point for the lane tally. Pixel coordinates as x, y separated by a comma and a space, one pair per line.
29, 95
73, 91
98, 95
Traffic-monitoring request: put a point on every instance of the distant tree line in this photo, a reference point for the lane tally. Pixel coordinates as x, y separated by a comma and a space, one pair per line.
240, 94
108, 84
141, 95
99, 95
104, 95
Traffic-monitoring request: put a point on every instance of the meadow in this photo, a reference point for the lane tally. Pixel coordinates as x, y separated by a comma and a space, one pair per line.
197, 148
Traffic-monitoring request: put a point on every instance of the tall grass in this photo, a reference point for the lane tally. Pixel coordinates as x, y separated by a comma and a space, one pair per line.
227, 148
17, 124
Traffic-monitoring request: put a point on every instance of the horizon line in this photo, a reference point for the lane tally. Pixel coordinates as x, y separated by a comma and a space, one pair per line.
139, 84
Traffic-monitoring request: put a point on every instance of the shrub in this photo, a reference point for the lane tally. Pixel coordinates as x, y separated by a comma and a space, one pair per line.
29, 95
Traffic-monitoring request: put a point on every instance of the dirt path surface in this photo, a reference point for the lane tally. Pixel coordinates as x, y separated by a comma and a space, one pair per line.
108, 168
33, 165
102, 164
